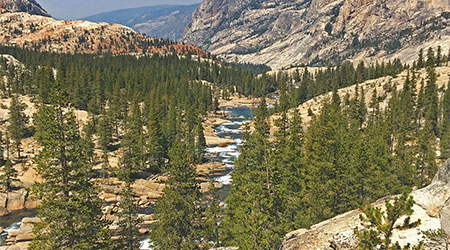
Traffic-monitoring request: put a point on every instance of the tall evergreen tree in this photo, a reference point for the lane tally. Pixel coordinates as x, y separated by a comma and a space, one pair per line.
179, 212
17, 123
445, 132
200, 143
133, 141
104, 133
253, 213
431, 103
425, 152
129, 221
156, 145
70, 213
9, 175
329, 174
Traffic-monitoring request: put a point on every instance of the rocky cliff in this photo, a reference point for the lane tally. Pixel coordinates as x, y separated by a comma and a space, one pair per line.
47, 34
29, 6
282, 33
432, 208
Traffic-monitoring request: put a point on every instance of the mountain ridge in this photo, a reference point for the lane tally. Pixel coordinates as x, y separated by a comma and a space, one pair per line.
161, 21
29, 6
47, 34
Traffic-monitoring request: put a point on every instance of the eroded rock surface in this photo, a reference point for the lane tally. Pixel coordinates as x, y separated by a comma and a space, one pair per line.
29, 6
285, 32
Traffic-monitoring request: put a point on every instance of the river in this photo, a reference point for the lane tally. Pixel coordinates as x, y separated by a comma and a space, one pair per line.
237, 117
12, 222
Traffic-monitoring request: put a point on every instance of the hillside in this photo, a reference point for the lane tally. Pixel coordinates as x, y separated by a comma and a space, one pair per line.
382, 86
29, 6
284, 33
47, 34
162, 21
337, 233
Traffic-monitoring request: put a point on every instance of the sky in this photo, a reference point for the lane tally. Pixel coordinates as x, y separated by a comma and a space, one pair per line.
75, 9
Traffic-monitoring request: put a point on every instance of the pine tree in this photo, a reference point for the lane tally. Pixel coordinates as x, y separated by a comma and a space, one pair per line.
116, 111
70, 213
431, 109
133, 141
380, 226
420, 60
156, 146
178, 212
95, 105
425, 152
104, 132
17, 123
329, 172
128, 221
200, 143
288, 158
254, 207
431, 59
445, 132
2, 149
9, 175
212, 215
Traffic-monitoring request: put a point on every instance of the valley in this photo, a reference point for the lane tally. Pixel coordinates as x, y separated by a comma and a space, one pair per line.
223, 125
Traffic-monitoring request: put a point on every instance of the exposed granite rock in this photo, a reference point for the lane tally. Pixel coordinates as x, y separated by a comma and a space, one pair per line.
445, 218
346, 240
282, 33
433, 197
16, 200
337, 233
29, 6
48, 34
21, 238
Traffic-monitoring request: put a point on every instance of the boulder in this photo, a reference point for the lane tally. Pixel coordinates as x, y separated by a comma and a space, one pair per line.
30, 220
445, 218
23, 245
3, 211
13, 247
433, 197
154, 195
346, 240
16, 200
25, 236
147, 217
3, 199
31, 203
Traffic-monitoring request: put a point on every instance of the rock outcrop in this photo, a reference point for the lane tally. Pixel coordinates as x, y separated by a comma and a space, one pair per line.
29, 6
337, 233
16, 200
283, 33
445, 219
47, 34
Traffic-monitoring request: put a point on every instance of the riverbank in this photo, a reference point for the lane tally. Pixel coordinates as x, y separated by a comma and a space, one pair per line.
223, 116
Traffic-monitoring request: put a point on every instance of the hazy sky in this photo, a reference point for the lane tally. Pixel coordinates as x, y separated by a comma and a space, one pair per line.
73, 9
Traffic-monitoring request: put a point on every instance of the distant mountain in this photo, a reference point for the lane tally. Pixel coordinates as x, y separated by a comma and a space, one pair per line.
281, 33
163, 21
29, 6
